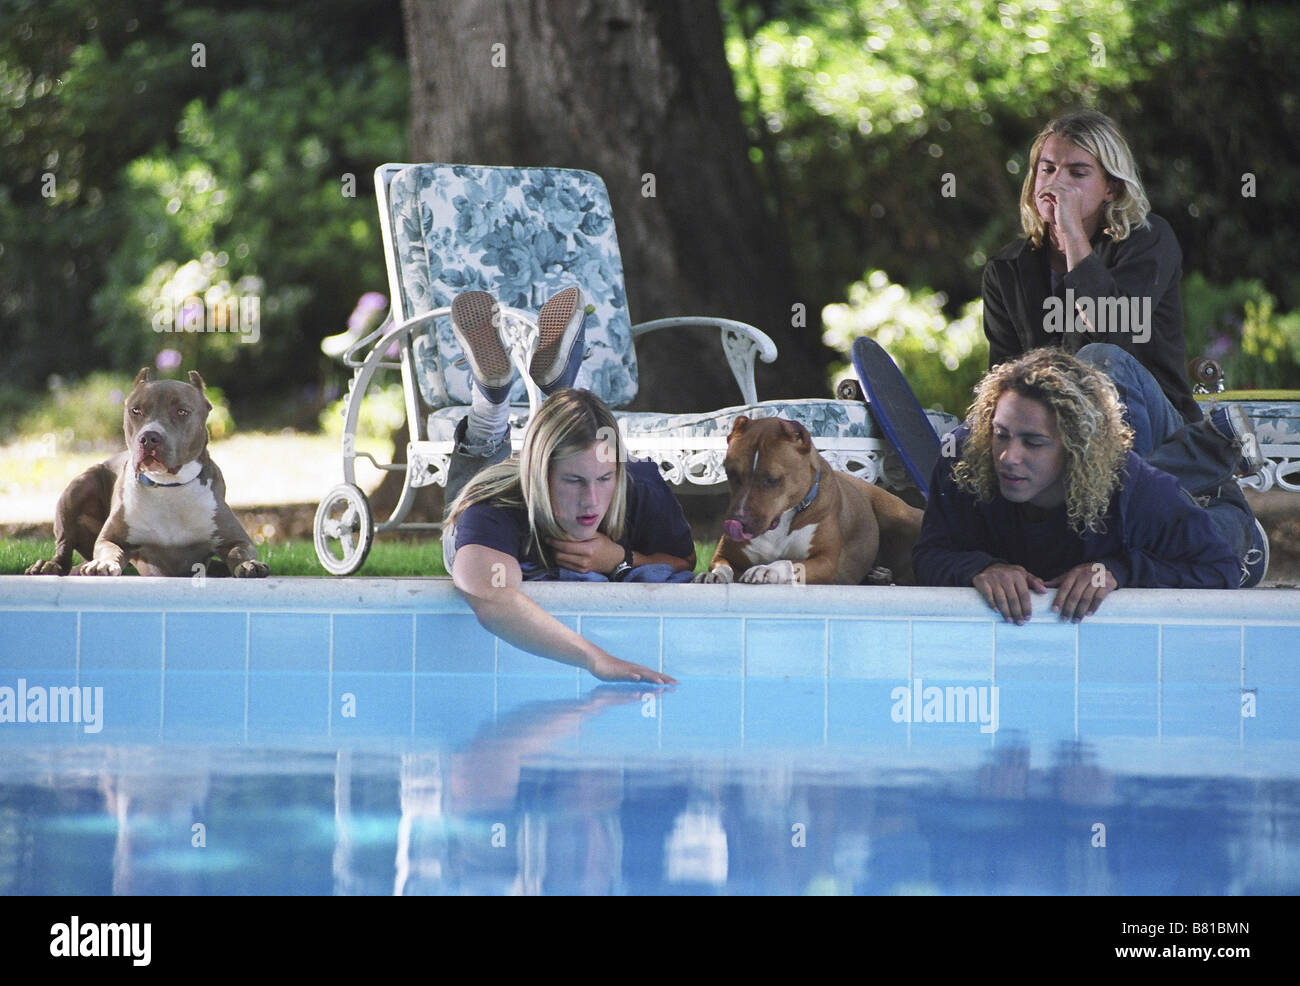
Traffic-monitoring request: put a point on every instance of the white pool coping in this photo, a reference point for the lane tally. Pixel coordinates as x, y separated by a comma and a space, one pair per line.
306, 594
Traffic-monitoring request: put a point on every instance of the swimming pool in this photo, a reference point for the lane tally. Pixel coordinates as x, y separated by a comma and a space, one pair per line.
367, 737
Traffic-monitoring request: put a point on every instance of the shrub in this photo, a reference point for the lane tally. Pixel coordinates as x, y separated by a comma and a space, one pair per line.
941, 358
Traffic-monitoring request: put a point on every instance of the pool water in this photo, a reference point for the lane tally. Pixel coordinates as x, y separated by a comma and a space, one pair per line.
368, 737
715, 787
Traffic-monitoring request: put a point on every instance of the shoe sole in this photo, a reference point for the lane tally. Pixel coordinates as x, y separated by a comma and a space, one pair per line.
553, 326
1248, 563
474, 320
1252, 458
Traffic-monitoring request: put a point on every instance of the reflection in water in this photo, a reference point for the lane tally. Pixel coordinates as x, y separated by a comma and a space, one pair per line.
522, 809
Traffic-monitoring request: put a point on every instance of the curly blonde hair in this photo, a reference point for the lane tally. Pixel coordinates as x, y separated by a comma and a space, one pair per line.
1096, 134
567, 424
1088, 415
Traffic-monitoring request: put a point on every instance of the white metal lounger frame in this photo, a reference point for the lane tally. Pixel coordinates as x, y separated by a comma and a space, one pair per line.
426, 461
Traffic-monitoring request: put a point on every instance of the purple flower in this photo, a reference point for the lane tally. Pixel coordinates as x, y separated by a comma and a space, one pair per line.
1220, 347
168, 359
368, 306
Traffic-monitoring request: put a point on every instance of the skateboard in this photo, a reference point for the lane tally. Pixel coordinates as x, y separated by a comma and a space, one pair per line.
897, 411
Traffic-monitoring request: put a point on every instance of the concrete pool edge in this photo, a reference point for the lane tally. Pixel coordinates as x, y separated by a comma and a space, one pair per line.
438, 595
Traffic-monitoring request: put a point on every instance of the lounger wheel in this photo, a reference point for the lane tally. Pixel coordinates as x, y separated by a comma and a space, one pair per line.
344, 530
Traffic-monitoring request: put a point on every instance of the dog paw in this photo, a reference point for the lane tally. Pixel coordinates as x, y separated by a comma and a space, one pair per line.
879, 576
253, 569
782, 572
717, 576
99, 568
50, 567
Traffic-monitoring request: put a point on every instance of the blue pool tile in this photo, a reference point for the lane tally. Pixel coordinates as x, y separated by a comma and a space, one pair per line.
1118, 653
861, 712
1040, 650
206, 641
1271, 714
785, 648
371, 704
453, 708
703, 646
1273, 657
521, 695
32, 640
1035, 707
512, 660
373, 642
785, 713
289, 642
287, 703
705, 715
454, 643
132, 699
195, 702
625, 719
632, 638
1198, 709
869, 649
1109, 710
121, 641
952, 650
1202, 655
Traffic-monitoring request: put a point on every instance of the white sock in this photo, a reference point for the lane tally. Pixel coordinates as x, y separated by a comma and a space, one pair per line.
488, 421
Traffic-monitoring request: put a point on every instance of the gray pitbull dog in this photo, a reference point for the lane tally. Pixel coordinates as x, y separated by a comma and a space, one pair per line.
161, 504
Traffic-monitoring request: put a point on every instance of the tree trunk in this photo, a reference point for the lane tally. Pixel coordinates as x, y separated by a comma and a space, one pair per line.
639, 92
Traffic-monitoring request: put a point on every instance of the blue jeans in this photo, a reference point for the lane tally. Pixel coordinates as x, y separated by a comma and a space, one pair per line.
1203, 461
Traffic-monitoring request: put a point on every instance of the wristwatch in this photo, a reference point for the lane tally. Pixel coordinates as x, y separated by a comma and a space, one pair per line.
623, 567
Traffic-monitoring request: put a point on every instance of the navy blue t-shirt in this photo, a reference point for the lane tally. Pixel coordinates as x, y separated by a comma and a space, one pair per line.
654, 523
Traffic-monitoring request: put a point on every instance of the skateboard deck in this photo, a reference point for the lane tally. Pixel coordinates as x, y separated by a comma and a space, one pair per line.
897, 411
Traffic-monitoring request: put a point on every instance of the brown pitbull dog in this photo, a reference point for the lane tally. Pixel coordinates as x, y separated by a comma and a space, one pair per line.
793, 519
161, 504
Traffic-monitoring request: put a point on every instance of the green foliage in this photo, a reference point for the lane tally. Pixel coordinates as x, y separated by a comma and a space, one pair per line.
859, 110
1270, 347
941, 358
1238, 325
383, 410
235, 170
863, 114
88, 413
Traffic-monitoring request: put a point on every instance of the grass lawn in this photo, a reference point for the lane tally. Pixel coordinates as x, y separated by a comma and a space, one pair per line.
389, 557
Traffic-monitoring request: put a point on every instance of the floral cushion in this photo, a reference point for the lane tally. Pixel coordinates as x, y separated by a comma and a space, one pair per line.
1275, 422
521, 234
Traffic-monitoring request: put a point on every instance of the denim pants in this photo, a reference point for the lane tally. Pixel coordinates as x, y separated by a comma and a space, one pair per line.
1203, 461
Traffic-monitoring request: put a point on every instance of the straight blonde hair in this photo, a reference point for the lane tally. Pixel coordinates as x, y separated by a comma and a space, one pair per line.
1096, 134
568, 423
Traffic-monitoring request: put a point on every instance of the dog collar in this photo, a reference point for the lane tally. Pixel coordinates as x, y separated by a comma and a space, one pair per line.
812, 493
146, 481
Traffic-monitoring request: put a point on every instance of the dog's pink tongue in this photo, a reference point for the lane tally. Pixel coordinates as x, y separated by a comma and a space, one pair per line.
735, 530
